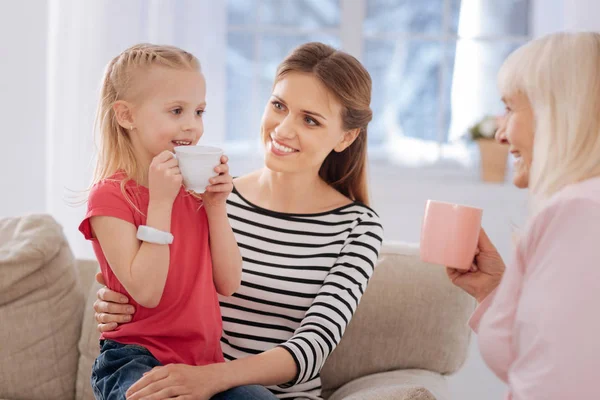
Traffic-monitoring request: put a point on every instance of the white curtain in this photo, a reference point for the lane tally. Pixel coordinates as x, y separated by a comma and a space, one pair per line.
82, 38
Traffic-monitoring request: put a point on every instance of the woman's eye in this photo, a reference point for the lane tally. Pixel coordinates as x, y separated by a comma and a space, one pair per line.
177, 111
277, 105
311, 121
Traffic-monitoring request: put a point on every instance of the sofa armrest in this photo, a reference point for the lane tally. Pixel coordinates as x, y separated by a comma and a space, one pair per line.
395, 385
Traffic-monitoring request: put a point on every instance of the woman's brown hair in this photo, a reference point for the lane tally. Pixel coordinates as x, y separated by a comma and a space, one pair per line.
346, 78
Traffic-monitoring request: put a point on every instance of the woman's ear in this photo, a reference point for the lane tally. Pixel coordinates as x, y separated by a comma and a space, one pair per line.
348, 138
124, 114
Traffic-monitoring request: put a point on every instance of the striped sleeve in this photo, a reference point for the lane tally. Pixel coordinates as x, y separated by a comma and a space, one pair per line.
325, 321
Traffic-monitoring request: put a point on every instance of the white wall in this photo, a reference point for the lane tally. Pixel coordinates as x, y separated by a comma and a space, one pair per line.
22, 106
550, 16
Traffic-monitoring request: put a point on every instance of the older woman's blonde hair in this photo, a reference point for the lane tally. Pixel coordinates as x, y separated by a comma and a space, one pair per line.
560, 75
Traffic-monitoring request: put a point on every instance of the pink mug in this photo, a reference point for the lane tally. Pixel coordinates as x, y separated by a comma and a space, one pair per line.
449, 234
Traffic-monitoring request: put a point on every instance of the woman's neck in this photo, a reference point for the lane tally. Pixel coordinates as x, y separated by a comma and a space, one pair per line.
290, 192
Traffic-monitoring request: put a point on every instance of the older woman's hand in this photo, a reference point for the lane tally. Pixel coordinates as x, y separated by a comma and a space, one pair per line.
485, 273
111, 308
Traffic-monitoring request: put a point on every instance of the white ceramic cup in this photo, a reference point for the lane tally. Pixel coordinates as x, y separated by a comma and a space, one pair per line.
197, 165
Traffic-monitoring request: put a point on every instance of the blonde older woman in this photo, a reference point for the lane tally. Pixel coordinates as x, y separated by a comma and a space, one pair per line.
539, 321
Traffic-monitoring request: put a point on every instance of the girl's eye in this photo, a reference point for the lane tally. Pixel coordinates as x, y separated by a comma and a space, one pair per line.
177, 111
200, 112
311, 121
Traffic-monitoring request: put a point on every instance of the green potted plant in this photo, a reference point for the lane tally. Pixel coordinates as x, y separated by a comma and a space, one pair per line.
493, 154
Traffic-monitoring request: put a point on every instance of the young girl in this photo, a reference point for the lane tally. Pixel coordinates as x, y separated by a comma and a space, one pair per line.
164, 248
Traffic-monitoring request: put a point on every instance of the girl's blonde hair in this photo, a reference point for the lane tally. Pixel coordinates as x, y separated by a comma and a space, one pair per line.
560, 75
115, 151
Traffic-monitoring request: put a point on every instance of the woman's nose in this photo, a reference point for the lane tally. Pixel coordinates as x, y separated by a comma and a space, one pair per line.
500, 135
285, 129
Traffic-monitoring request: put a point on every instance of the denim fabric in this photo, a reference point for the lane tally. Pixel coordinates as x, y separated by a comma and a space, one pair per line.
121, 365
249, 392
118, 367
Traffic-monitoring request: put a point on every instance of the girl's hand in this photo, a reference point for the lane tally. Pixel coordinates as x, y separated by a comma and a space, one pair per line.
111, 308
216, 194
178, 381
485, 273
164, 178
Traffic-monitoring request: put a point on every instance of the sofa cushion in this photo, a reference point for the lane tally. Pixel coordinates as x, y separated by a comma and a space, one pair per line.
410, 317
396, 385
41, 306
88, 344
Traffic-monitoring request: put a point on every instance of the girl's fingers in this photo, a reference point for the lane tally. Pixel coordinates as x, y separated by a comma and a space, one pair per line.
221, 179
224, 187
171, 163
166, 155
222, 169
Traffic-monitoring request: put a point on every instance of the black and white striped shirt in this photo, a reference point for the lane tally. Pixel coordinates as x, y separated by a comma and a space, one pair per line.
303, 276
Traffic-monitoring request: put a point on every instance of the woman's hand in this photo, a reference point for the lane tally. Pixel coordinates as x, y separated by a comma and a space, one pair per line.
111, 308
220, 186
178, 381
485, 273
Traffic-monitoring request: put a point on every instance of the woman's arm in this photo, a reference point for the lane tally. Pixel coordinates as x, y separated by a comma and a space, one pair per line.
551, 347
301, 358
179, 380
273, 367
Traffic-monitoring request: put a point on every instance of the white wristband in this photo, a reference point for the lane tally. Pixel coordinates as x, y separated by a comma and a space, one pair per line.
152, 235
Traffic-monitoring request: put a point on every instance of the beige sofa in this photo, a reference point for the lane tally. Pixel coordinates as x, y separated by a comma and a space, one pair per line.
408, 333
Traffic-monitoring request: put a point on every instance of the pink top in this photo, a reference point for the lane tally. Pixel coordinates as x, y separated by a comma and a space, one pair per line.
540, 330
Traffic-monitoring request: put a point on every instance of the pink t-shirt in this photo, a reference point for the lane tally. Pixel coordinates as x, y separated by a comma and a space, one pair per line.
186, 326
540, 330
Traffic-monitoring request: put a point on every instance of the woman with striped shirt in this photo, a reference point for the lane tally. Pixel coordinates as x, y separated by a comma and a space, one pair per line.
308, 239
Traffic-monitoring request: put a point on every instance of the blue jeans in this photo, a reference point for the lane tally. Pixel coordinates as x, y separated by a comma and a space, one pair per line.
119, 366
250, 392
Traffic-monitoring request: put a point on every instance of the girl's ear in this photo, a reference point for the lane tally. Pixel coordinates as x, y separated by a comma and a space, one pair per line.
348, 138
123, 113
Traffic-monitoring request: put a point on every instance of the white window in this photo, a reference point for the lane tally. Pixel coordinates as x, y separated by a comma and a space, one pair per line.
433, 62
